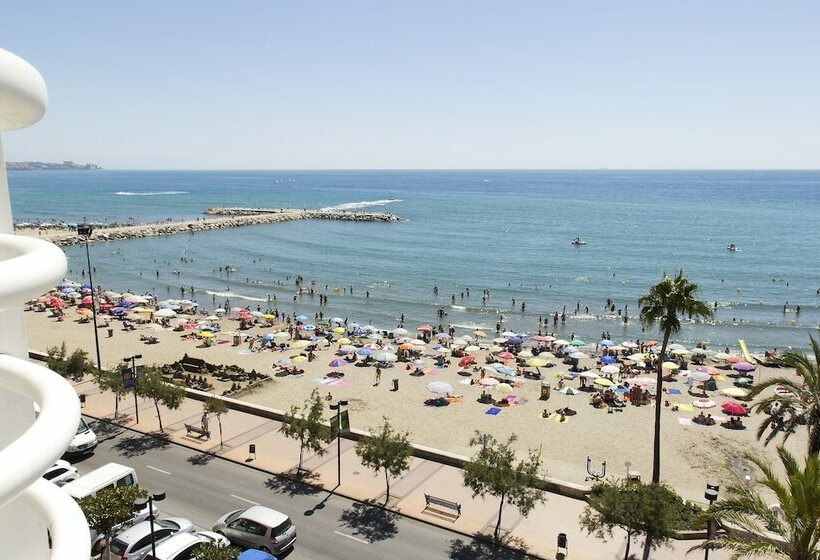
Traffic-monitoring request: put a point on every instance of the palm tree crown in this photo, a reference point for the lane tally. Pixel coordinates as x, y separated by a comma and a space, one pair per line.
802, 396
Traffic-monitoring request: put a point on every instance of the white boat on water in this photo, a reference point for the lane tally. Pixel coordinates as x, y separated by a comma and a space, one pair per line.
578, 241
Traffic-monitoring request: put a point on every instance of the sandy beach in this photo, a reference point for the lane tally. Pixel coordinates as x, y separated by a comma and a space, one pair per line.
691, 453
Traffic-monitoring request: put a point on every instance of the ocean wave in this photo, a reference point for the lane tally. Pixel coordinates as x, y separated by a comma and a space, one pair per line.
470, 326
149, 193
362, 204
235, 296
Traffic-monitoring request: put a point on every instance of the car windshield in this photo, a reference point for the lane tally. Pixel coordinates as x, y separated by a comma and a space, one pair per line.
284, 526
117, 547
83, 427
166, 524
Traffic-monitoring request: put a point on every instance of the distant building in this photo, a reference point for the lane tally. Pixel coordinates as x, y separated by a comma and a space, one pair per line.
41, 165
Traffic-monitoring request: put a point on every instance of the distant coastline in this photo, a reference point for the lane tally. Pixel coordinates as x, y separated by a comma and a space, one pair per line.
48, 166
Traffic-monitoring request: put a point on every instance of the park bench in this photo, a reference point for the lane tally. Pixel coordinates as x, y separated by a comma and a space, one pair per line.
193, 365
189, 428
432, 501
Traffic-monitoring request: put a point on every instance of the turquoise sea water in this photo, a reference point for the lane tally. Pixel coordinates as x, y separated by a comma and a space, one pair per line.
506, 231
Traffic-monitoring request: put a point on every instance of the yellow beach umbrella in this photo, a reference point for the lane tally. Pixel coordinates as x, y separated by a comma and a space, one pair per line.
299, 344
339, 330
344, 340
206, 334
603, 382
480, 334
735, 392
267, 316
537, 362
504, 388
670, 365
298, 359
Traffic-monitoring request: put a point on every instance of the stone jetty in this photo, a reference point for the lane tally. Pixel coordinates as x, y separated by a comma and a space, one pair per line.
223, 218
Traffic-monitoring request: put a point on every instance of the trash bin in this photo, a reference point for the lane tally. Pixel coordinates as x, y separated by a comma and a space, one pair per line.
545, 391
110, 333
395, 383
237, 340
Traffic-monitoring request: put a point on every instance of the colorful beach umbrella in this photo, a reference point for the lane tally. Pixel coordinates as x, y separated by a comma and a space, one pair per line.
734, 408
337, 363
466, 361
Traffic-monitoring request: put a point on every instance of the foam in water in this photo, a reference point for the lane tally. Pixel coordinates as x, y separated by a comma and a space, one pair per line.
235, 296
362, 204
149, 193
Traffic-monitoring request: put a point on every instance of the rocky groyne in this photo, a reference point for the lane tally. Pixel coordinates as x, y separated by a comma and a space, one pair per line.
227, 218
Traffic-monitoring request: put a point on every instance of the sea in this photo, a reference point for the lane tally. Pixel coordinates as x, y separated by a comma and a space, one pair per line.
470, 243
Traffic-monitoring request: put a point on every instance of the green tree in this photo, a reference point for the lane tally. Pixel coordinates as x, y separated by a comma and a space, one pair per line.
151, 385
212, 551
111, 380
495, 471
72, 366
790, 530
803, 394
306, 426
218, 407
652, 510
664, 305
386, 449
108, 509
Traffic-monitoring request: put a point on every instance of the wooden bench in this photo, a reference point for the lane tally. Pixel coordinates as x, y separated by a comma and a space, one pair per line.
189, 428
431, 501
193, 365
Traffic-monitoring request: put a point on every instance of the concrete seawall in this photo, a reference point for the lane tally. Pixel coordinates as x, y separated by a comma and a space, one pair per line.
228, 218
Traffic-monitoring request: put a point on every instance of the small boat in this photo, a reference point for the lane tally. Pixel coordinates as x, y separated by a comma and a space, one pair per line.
578, 241
732, 247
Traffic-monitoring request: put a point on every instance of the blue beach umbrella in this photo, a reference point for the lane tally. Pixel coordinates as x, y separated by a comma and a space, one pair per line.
606, 342
117, 311
608, 359
364, 351
268, 336
353, 325
338, 362
513, 341
505, 370
337, 320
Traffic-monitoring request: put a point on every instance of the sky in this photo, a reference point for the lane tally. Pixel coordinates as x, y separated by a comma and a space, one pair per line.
198, 84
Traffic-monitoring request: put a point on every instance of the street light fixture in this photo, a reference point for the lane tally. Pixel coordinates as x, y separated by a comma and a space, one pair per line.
133, 359
338, 408
85, 230
711, 494
140, 503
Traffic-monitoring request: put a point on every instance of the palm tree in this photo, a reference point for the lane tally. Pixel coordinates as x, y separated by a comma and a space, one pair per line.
803, 394
788, 529
664, 304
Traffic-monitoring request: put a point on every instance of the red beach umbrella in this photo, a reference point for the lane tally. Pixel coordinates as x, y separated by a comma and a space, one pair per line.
466, 361
505, 355
424, 328
734, 408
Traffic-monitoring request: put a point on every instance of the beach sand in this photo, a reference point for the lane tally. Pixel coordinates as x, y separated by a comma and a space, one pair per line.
691, 454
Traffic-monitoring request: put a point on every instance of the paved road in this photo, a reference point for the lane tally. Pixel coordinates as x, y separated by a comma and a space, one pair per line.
202, 488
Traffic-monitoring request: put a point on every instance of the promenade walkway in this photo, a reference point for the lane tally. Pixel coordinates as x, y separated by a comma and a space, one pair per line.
537, 534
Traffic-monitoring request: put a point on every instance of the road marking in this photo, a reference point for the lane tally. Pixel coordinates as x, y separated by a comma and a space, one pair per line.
244, 499
351, 537
156, 469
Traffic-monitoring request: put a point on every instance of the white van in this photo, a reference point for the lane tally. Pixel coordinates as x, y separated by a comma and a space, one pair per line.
84, 441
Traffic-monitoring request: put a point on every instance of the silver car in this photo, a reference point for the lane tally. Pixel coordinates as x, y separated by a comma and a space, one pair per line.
135, 543
258, 527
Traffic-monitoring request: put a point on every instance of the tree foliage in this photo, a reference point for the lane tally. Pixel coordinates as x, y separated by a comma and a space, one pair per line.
494, 470
386, 449
803, 393
151, 385
212, 551
652, 510
664, 305
111, 380
306, 426
790, 529
218, 407
109, 508
72, 366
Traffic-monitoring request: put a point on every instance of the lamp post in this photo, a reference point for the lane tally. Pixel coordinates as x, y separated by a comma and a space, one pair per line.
711, 494
140, 503
133, 359
85, 230
338, 408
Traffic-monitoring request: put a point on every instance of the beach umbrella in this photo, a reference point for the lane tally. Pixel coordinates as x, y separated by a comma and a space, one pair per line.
282, 335
337, 320
299, 359
676, 346
166, 313
720, 356
348, 348
406, 346
628, 344
374, 336
500, 340
703, 403
608, 359
588, 375
364, 352
504, 370
637, 357
493, 348
539, 338
680, 352
649, 343
309, 328
466, 361
268, 316
299, 344
670, 365
743, 367
83, 312
734, 408
734, 392
472, 348
610, 370
480, 334
568, 391
386, 357
508, 334
537, 362
339, 330
337, 363
114, 310
212, 317
644, 381
267, 337
577, 355
504, 388
219, 311
606, 342
374, 346
525, 354
569, 349
443, 336
488, 382
578, 342
206, 334
133, 298
399, 332
424, 328
603, 382
561, 342
353, 325
514, 341
417, 342
617, 348
734, 359
699, 376
439, 387
505, 355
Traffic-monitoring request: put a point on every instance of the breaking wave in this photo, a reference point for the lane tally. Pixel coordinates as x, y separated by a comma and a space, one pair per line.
363, 204
149, 193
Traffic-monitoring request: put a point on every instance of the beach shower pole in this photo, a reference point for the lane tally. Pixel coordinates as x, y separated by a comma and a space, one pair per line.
711, 495
338, 408
85, 230
133, 359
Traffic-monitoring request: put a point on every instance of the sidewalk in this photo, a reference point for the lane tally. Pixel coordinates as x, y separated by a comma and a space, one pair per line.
279, 455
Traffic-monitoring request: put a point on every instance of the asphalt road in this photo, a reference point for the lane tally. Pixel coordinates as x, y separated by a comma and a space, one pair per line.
202, 488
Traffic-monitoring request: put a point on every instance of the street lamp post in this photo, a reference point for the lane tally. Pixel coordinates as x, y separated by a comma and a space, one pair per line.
711, 494
85, 230
141, 503
133, 359
338, 408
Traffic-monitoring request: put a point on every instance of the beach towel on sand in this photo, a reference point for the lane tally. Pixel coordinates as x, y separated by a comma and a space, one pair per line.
674, 391
493, 411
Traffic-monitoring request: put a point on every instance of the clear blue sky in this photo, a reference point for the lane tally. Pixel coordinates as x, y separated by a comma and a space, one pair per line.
380, 84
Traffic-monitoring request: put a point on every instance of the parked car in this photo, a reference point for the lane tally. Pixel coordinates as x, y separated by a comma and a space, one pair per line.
258, 527
134, 543
61, 472
84, 442
182, 546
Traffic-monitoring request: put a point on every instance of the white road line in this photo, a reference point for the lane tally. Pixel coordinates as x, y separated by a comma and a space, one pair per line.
244, 499
156, 469
351, 537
